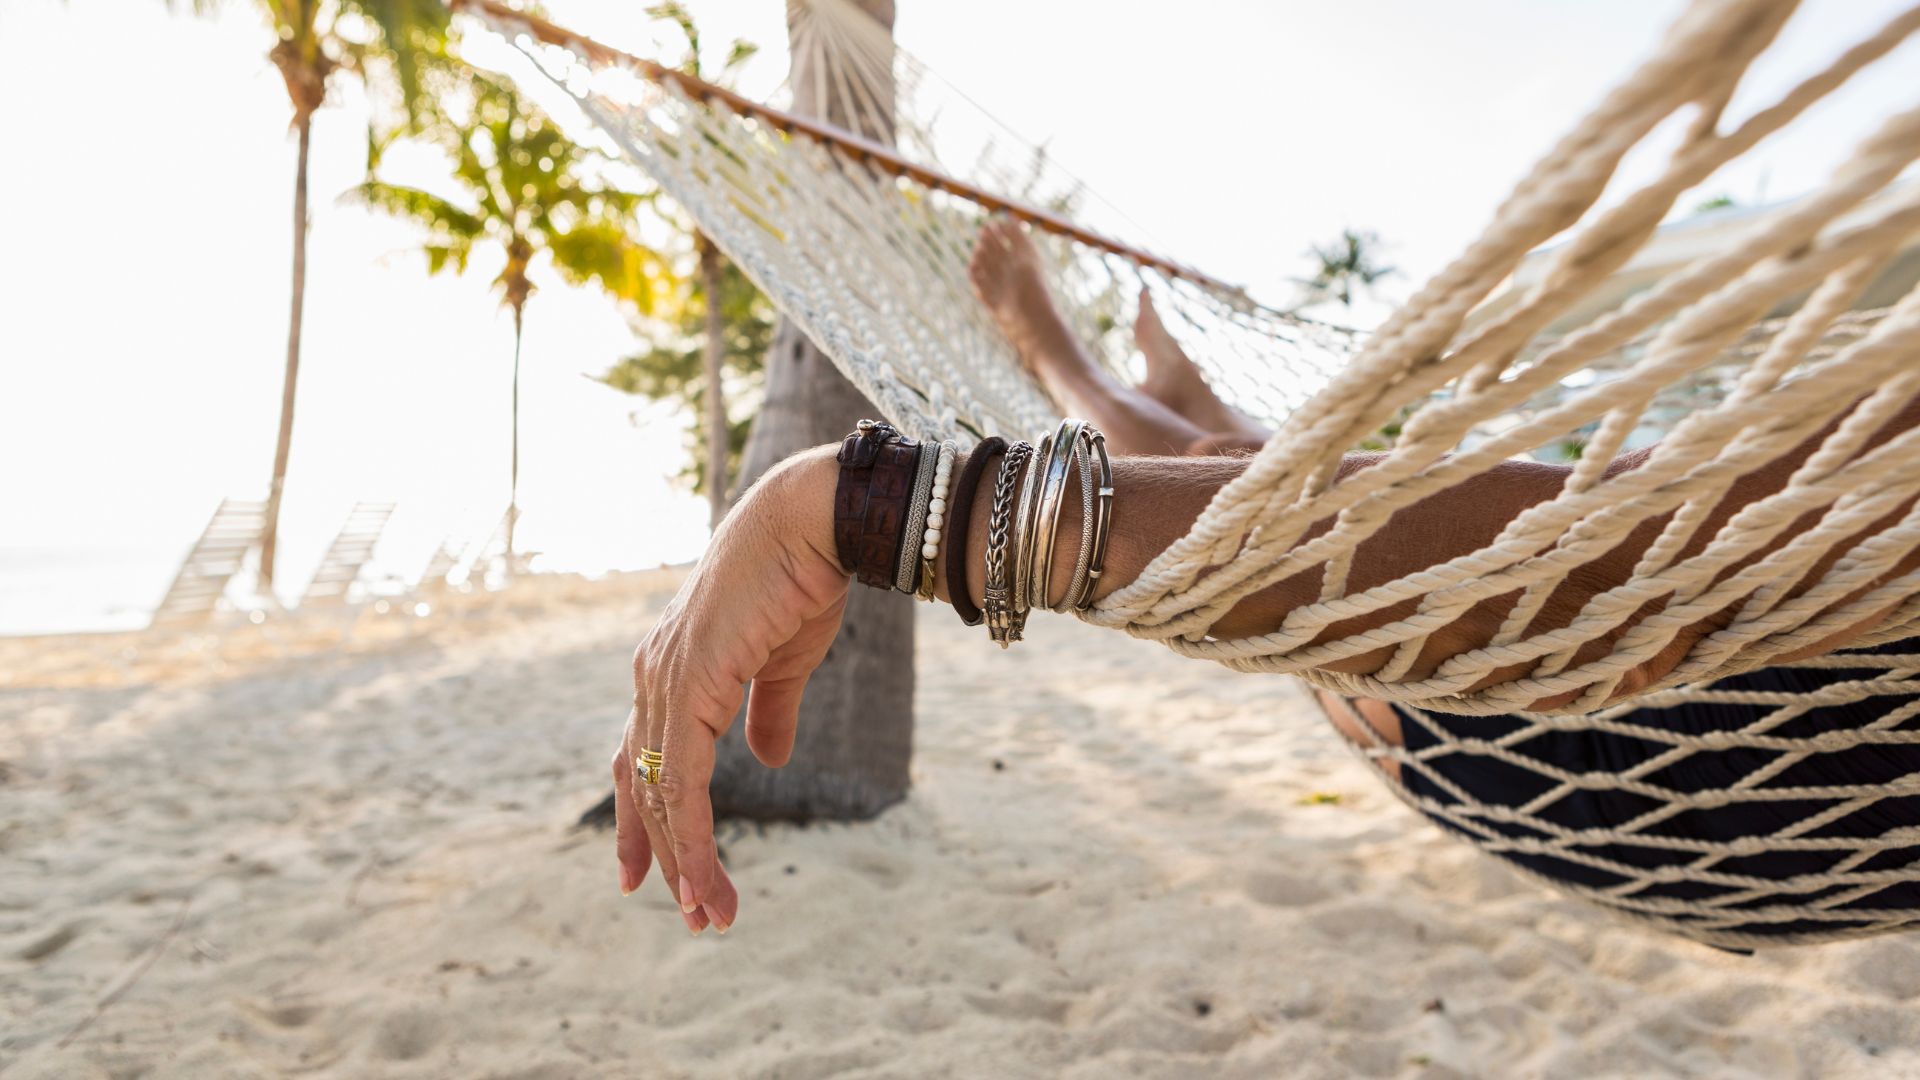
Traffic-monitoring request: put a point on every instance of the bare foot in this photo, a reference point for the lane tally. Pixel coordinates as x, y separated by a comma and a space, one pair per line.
1010, 278
1175, 382
1011, 283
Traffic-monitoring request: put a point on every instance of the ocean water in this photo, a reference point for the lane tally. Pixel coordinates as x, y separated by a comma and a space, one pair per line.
67, 590
92, 586
89, 584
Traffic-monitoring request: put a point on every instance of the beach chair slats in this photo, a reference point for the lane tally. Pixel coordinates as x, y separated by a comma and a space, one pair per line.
215, 558
351, 550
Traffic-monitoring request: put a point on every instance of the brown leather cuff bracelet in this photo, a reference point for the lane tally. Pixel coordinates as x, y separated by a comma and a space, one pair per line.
871, 499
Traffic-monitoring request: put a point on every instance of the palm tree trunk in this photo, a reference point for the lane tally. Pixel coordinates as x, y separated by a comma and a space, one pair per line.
513, 476
855, 738
270, 530
713, 362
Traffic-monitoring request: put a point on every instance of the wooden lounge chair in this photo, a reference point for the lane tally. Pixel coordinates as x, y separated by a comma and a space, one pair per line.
446, 559
490, 562
202, 579
349, 553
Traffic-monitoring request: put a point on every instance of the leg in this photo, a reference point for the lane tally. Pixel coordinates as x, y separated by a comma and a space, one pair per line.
1364, 722
1011, 283
1175, 412
1174, 381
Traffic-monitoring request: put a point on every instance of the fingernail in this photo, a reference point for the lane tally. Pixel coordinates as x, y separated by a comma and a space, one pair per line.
693, 924
687, 902
629, 881
720, 925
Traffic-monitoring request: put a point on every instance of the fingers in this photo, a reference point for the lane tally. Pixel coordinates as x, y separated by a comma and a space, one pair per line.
654, 819
773, 713
723, 905
633, 832
650, 707
773, 619
773, 704
629, 835
700, 882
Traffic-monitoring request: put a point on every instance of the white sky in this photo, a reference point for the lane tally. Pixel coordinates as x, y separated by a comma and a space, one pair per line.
148, 177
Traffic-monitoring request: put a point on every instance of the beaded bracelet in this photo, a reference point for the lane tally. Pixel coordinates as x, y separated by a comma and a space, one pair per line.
936, 517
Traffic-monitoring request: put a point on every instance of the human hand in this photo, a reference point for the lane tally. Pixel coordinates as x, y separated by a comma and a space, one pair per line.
762, 606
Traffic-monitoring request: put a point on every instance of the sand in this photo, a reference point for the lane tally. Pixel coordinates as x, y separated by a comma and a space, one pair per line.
338, 848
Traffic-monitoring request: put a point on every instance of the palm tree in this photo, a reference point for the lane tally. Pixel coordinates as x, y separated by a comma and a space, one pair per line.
712, 270
528, 189
676, 353
855, 739
314, 40
1346, 265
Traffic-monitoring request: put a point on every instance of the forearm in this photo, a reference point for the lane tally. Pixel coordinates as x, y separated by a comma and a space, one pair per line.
1157, 500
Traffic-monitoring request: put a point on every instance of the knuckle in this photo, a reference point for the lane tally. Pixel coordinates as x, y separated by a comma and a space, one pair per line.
673, 789
655, 800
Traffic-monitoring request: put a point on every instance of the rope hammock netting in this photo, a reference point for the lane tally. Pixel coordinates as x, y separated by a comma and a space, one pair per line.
1726, 363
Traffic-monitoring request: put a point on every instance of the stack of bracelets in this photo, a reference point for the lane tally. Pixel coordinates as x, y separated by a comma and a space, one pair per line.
891, 510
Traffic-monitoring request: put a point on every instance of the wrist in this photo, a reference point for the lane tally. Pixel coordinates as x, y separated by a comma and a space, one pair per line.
803, 485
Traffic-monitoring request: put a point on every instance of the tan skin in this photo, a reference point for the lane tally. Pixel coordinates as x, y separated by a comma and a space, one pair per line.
766, 600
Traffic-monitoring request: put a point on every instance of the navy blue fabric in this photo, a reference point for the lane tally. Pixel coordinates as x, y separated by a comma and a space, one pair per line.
1497, 783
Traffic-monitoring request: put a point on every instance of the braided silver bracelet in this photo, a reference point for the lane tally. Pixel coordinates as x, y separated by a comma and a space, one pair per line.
1004, 624
906, 575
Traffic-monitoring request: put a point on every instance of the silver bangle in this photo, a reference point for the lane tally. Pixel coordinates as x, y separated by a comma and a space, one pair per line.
906, 573
1053, 497
1100, 519
1079, 584
1026, 524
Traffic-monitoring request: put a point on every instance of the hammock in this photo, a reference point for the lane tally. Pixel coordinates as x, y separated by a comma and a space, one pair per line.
865, 244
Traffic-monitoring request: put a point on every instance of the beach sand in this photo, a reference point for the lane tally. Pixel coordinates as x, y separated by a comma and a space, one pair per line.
281, 852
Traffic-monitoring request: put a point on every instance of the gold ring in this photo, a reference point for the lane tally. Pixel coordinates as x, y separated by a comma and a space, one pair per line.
649, 765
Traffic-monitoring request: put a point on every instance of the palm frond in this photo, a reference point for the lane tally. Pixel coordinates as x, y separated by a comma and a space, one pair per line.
412, 35
605, 253
674, 12
739, 53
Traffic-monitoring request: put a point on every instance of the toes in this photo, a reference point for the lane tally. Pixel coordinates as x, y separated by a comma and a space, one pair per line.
995, 236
